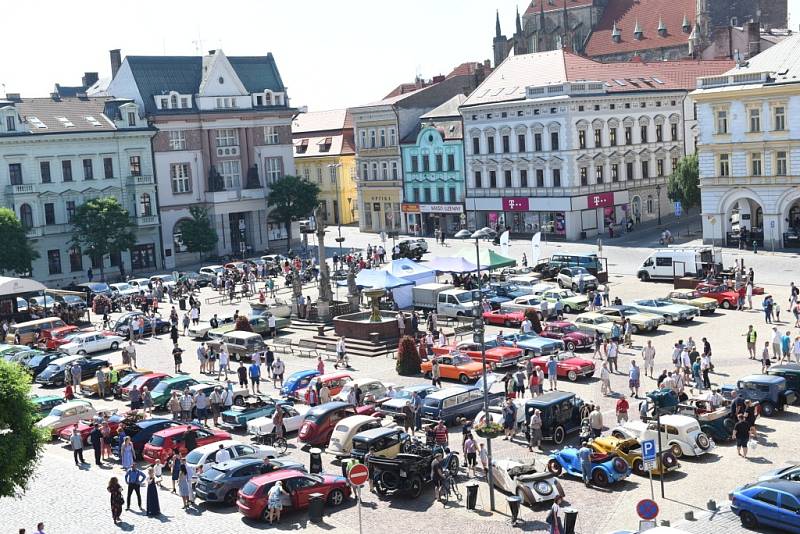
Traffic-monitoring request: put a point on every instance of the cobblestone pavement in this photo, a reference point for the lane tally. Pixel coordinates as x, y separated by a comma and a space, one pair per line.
72, 500
723, 520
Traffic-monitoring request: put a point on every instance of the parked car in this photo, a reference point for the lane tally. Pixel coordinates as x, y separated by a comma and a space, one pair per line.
530, 484
504, 317
148, 380
38, 363
122, 326
569, 334
299, 486
25, 333
211, 270
726, 298
561, 412
239, 393
408, 249
789, 472
220, 483
206, 454
162, 392
91, 290
319, 422
571, 276
254, 406
640, 321
89, 342
123, 289
672, 313
141, 431
393, 406
200, 279
341, 441
142, 284
606, 468
386, 441
85, 426
592, 323
769, 391
567, 365
692, 297
292, 419
259, 324
531, 344
166, 279
297, 380
496, 413
90, 387
241, 345
528, 303
53, 338
163, 442
630, 450
757, 290
368, 386
53, 375
715, 423
499, 357
66, 414
770, 504
570, 301
45, 403
790, 372
201, 329
681, 434
407, 473
335, 382
455, 403
454, 367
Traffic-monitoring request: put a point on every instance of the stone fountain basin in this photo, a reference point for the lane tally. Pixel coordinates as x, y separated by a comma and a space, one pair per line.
359, 326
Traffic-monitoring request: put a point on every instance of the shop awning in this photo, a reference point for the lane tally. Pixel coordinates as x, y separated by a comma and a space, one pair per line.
489, 259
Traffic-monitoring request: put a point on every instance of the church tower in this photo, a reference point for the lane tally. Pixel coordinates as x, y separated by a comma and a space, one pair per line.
500, 43
520, 39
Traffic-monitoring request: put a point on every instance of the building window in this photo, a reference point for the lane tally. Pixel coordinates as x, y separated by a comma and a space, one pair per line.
363, 138
451, 162
659, 133
615, 172
49, 213
537, 142
177, 140
385, 170
539, 177
554, 141
628, 135
414, 164
108, 168
395, 175
11, 124
629, 171
453, 194
227, 137
333, 173
70, 204
44, 170
231, 172
75, 260
581, 138
493, 179
523, 178
724, 165
372, 138
438, 162
143, 256
131, 119
755, 120
556, 177
645, 169
478, 184
476, 145
660, 167
779, 118
598, 174
506, 145
674, 164
15, 173
145, 205
643, 132
364, 172
88, 172
179, 176
780, 163
54, 261
184, 104
598, 137
273, 169
440, 194
650, 205
306, 174
722, 121
135, 163
375, 170
584, 175
490, 141
755, 163
173, 101
507, 176
392, 138
319, 175
427, 193
612, 137
26, 216
426, 163
521, 143
383, 138
673, 131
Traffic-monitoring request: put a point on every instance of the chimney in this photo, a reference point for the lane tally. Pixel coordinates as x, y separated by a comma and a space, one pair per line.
487, 63
212, 52
13, 97
437, 79
55, 96
116, 61
89, 79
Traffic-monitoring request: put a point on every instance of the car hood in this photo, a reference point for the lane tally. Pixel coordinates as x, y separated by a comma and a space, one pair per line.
48, 422
645, 317
577, 362
396, 404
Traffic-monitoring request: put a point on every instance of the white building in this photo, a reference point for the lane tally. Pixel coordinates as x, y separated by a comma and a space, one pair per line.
561, 143
749, 150
56, 154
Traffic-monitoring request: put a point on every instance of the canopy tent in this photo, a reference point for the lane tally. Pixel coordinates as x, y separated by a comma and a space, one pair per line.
489, 259
451, 265
15, 286
378, 278
409, 270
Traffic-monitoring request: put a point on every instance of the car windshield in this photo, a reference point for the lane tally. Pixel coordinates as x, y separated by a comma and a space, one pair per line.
431, 401
160, 388
662, 303
194, 457
55, 412
157, 441
579, 270
464, 296
43, 301
73, 299
564, 293
250, 488
123, 287
402, 394
569, 328
125, 380
166, 278
52, 368
460, 359
36, 360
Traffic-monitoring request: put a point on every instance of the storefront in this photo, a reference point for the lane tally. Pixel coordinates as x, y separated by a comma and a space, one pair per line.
381, 211
425, 219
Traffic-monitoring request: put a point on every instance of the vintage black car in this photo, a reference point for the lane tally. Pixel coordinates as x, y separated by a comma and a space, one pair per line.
562, 413
409, 472
123, 325
789, 371
770, 391
407, 250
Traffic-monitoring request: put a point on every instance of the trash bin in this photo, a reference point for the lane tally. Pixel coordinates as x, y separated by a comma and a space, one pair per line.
315, 463
316, 506
472, 495
570, 517
514, 503
182, 303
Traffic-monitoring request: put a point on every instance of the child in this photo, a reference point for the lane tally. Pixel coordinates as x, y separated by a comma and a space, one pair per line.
157, 470
484, 456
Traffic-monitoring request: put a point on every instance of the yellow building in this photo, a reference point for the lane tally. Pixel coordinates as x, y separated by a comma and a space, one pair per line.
325, 155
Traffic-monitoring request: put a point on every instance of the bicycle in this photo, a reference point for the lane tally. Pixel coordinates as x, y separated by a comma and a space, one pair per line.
450, 487
271, 439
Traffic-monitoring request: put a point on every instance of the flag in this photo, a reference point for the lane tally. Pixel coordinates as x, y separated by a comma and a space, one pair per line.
536, 248
504, 243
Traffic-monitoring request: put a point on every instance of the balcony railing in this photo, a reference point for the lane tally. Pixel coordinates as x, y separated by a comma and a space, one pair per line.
144, 179
36, 231
750, 180
146, 220
564, 191
21, 189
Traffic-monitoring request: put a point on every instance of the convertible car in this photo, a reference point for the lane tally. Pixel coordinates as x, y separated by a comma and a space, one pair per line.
606, 468
255, 406
630, 450
567, 365
568, 333
503, 317
525, 481
530, 344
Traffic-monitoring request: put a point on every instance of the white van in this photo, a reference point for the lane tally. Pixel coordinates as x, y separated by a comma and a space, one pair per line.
666, 263
456, 303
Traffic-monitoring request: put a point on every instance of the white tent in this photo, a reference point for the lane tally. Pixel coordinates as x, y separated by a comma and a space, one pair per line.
15, 286
412, 272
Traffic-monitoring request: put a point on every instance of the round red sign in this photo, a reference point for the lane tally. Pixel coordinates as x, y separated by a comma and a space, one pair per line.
358, 474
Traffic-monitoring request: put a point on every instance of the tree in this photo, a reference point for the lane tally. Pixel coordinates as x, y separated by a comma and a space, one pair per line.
291, 198
197, 233
408, 360
16, 252
21, 442
684, 183
102, 226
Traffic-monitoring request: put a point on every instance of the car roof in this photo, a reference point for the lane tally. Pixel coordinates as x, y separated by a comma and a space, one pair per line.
327, 407
280, 474
785, 367
356, 420
374, 433
175, 430
179, 378
67, 359
769, 379
75, 402
786, 486
449, 392
559, 323
591, 314
304, 372
236, 463
550, 397
678, 420
145, 423
331, 376
241, 334
211, 447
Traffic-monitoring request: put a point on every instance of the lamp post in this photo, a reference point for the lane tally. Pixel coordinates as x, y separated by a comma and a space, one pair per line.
483, 233
339, 239
658, 202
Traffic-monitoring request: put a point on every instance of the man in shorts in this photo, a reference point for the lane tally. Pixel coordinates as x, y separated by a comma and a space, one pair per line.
437, 475
255, 377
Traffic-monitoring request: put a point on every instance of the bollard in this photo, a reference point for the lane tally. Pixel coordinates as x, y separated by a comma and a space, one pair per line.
712, 505
665, 522
315, 460
472, 495
689, 516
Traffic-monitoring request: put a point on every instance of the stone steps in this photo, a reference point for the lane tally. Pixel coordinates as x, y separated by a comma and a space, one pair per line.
360, 347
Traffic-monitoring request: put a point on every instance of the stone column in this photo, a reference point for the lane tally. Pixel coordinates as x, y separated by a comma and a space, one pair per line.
325, 297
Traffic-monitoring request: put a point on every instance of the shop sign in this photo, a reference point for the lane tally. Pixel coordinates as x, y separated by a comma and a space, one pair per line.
410, 208
441, 208
515, 203
600, 200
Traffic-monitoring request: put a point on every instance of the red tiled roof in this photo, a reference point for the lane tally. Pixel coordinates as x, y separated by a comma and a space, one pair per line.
647, 12
555, 5
468, 69
401, 89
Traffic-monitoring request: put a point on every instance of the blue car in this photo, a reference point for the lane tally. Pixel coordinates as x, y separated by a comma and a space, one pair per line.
531, 344
775, 503
221, 482
296, 381
394, 406
606, 468
498, 293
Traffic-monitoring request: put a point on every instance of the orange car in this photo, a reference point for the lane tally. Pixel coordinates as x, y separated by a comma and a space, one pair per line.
455, 367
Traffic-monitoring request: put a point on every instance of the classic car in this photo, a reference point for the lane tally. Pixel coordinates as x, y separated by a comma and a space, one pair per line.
571, 277
240, 345
503, 317
122, 289
407, 473
66, 414
726, 298
85, 426
718, 424
38, 363
53, 375
335, 382
757, 290
116, 389
259, 324
341, 441
221, 482
768, 504
141, 431
239, 393
162, 392
525, 481
206, 454
166, 279
496, 413
568, 333
200, 279
592, 322
53, 338
561, 412
567, 365
163, 442
299, 486
385, 441
89, 342
320, 421
122, 326
606, 468
408, 249
692, 297
149, 380
671, 312
454, 367
297, 380
292, 419
201, 329
499, 357
640, 321
531, 344
393, 406
681, 434
630, 450
89, 386
45, 403
141, 284
368, 386
277, 307
789, 371
770, 391
254, 406
570, 301
528, 303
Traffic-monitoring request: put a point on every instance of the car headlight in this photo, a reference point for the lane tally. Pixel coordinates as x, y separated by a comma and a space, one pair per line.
543, 488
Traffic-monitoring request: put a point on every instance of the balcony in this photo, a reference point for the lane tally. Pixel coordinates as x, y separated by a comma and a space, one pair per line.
31, 233
222, 196
141, 180
256, 193
147, 220
360, 183
21, 189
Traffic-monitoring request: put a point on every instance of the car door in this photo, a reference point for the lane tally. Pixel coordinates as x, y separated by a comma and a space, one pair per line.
242, 450
204, 437
300, 488
788, 515
767, 509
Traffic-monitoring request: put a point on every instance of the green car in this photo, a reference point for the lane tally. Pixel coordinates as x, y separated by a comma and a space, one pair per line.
570, 301
45, 403
258, 324
163, 391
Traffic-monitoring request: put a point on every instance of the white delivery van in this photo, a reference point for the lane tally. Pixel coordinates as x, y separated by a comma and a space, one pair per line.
425, 295
666, 263
456, 303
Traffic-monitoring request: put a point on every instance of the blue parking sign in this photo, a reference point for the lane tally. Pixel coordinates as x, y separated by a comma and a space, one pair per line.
649, 450
678, 209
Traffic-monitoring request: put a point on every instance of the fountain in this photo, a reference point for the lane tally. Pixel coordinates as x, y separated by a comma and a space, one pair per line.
375, 297
373, 325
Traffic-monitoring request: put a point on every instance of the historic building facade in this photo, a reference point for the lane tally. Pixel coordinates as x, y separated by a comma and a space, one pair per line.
224, 134
749, 150
57, 153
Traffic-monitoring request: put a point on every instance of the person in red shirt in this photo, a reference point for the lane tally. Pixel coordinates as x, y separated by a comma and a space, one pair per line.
622, 410
440, 436
533, 384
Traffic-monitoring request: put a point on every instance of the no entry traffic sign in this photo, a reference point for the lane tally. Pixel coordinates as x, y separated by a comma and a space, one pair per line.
358, 474
647, 509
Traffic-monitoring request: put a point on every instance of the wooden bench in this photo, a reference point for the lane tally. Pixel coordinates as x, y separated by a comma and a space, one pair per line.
330, 351
284, 345
462, 330
306, 348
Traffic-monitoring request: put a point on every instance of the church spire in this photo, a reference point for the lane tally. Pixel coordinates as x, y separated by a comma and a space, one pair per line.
519, 24
497, 32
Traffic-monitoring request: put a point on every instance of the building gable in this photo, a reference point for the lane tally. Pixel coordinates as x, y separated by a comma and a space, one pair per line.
220, 78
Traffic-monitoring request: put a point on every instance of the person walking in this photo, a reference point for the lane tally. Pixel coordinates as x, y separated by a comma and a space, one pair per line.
605, 380
177, 357
765, 360
751, 336
96, 439
634, 375
255, 377
436, 373
147, 401
115, 491
611, 358
401, 323
796, 349
621, 409
174, 465
509, 419
202, 357
535, 430
552, 373
596, 422
649, 358
598, 343
554, 517
126, 453
134, 479
76, 441
223, 361
741, 430
241, 372
153, 507
786, 344
471, 453
184, 486
278, 368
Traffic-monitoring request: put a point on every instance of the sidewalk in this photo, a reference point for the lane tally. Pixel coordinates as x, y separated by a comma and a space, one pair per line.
723, 520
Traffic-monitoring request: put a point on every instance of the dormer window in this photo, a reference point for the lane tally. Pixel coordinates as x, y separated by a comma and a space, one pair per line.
173, 100
131, 119
11, 123
164, 103
267, 98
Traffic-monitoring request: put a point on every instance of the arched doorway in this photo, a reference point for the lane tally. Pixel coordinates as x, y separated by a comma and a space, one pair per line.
26, 216
791, 224
636, 209
745, 223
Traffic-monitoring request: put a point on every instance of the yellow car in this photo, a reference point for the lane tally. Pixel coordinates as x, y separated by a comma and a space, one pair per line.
90, 384
630, 450
692, 297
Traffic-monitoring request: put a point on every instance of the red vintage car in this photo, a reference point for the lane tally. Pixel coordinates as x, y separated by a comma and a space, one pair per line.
568, 365
162, 443
150, 380
498, 357
757, 290
726, 298
53, 338
253, 497
568, 333
507, 318
319, 421
85, 427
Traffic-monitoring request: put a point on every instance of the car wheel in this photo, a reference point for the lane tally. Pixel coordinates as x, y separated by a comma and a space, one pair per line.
676, 450
726, 305
82, 352
767, 409
638, 466
600, 478
165, 330
507, 323
617, 434
749, 521
560, 283
236, 357
230, 497
559, 435
644, 277
464, 379
415, 487
619, 465
114, 345
571, 348
554, 467
634, 329
238, 401
703, 442
567, 309
336, 497
575, 288
572, 375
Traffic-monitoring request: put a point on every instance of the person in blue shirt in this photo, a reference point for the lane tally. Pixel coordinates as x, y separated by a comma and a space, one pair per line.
134, 479
786, 343
416, 403
585, 456
552, 373
255, 377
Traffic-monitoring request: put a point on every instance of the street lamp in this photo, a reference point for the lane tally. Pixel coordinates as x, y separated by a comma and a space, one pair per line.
339, 239
658, 202
483, 233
